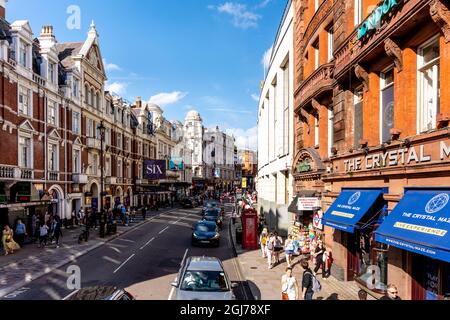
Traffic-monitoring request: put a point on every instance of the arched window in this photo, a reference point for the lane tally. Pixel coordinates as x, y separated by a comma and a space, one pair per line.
92, 98
86, 94
97, 101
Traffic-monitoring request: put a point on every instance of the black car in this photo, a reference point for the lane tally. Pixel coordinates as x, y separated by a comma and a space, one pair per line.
100, 293
215, 215
205, 232
188, 203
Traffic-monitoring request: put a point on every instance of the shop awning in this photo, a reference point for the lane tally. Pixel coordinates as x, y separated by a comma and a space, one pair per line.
350, 208
420, 223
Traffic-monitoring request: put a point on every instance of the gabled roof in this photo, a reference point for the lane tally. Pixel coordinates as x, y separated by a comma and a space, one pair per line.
68, 50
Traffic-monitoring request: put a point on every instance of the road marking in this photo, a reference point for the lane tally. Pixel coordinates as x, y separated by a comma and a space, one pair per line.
175, 222
181, 264
124, 263
163, 230
115, 249
16, 293
147, 243
126, 240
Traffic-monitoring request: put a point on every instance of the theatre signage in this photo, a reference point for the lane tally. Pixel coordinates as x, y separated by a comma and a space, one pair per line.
377, 16
400, 157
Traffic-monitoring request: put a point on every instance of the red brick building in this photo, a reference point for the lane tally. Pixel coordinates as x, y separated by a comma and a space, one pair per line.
372, 121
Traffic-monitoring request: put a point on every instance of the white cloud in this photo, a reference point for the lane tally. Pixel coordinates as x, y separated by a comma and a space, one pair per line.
166, 98
111, 66
245, 139
265, 61
242, 17
119, 88
223, 109
255, 97
263, 4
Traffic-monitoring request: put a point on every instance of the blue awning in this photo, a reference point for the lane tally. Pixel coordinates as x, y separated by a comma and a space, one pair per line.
420, 223
350, 208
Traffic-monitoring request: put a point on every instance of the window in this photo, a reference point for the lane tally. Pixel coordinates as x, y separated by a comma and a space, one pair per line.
316, 130
358, 117
119, 141
330, 43
76, 161
52, 113
140, 171
89, 128
275, 117
75, 87
119, 168
358, 12
108, 136
91, 98
23, 54
97, 101
316, 5
139, 148
94, 164
24, 101
25, 152
108, 166
53, 157
128, 170
52, 71
316, 55
286, 187
330, 130
387, 105
86, 94
76, 122
429, 85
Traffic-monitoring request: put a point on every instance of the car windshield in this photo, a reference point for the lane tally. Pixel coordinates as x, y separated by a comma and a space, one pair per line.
204, 281
211, 204
212, 213
205, 228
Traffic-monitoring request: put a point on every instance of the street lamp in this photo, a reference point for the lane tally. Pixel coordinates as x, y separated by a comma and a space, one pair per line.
102, 130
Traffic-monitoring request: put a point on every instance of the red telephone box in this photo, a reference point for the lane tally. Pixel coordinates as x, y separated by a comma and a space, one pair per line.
249, 229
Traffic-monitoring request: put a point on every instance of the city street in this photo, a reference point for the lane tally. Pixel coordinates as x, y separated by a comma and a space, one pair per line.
144, 261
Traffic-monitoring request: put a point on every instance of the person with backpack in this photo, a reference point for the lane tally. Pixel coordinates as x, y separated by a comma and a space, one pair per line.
270, 249
310, 284
263, 242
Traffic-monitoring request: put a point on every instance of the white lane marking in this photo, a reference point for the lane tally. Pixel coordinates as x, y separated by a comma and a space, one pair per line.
181, 264
68, 295
111, 259
126, 240
175, 222
163, 230
147, 243
115, 249
124, 263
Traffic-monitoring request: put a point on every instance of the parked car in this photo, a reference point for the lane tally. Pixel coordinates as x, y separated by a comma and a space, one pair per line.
205, 232
100, 293
188, 203
203, 278
209, 205
215, 215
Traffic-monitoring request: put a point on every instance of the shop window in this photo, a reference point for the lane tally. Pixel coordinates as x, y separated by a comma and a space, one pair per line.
429, 85
358, 117
387, 105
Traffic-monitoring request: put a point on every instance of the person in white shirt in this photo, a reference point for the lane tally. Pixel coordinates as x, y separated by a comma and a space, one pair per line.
43, 234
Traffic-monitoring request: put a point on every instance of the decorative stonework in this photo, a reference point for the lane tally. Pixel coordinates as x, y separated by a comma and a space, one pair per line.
394, 51
440, 14
363, 76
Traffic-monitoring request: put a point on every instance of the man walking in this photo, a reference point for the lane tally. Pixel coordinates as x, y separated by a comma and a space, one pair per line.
20, 233
307, 281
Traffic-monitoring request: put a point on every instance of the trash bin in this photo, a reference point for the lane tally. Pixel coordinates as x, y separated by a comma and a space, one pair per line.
239, 235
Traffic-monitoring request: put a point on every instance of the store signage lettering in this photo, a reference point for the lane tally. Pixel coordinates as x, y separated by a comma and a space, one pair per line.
404, 156
304, 166
308, 204
155, 169
374, 20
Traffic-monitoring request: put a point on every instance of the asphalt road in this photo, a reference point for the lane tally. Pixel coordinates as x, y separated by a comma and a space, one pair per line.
144, 261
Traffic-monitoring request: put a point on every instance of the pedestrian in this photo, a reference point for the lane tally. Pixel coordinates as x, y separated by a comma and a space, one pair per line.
80, 216
328, 262
46, 218
307, 281
263, 242
43, 234
56, 231
278, 247
289, 250
270, 250
289, 286
9, 245
391, 293
34, 219
94, 217
319, 257
144, 213
21, 232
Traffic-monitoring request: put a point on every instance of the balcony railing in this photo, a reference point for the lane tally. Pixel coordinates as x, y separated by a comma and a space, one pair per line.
9, 172
53, 176
141, 181
79, 178
318, 82
27, 174
119, 180
111, 180
39, 80
93, 143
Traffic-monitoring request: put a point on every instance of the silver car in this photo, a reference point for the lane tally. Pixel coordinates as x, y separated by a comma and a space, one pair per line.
203, 278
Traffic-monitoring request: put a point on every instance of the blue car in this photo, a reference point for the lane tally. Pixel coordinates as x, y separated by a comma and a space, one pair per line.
206, 232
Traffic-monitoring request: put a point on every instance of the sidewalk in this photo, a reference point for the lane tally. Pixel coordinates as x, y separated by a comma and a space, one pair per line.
31, 262
265, 284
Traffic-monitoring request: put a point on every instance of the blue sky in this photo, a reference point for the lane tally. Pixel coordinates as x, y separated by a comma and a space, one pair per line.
182, 54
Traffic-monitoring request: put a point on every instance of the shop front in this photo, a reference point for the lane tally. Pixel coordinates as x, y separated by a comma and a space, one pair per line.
353, 218
420, 225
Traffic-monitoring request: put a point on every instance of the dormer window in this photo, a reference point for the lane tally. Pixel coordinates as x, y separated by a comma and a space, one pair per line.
23, 53
52, 72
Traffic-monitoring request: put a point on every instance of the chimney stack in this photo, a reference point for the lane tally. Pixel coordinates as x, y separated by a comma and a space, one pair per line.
138, 102
3, 8
47, 31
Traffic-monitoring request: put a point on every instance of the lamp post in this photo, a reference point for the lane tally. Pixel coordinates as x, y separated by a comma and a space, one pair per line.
102, 130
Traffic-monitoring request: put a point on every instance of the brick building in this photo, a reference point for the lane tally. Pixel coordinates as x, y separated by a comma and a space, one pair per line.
372, 137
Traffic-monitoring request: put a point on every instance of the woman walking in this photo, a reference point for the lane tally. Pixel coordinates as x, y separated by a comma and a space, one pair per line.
278, 247
289, 286
263, 242
9, 245
289, 250
270, 249
320, 250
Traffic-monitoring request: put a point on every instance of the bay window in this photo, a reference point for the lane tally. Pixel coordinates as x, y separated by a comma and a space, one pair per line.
76, 122
428, 85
